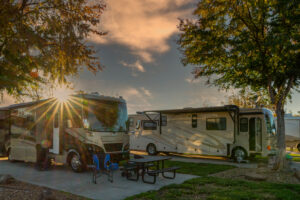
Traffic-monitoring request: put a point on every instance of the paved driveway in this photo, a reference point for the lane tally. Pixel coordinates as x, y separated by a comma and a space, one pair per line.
64, 179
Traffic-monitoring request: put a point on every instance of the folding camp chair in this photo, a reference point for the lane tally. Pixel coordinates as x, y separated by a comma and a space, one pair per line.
109, 167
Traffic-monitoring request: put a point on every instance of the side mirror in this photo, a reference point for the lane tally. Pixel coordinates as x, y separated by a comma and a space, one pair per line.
138, 124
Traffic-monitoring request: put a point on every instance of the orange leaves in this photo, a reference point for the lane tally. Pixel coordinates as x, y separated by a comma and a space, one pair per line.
34, 74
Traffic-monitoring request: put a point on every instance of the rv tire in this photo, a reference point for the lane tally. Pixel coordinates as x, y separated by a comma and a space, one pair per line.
239, 154
75, 162
8, 155
151, 149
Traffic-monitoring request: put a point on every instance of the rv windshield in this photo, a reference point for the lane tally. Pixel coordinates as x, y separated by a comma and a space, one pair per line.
103, 116
270, 123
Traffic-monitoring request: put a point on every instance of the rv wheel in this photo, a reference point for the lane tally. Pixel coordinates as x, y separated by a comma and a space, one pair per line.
9, 155
298, 147
75, 163
239, 154
151, 149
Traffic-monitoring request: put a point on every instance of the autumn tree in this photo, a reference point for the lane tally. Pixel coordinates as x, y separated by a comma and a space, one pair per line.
44, 41
247, 43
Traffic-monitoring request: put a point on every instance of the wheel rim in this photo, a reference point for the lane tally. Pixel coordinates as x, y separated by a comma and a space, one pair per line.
151, 149
75, 162
239, 155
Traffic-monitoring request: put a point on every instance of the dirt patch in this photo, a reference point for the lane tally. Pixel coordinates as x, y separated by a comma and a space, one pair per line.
271, 175
26, 191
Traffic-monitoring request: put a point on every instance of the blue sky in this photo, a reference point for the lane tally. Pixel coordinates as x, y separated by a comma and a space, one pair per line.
142, 60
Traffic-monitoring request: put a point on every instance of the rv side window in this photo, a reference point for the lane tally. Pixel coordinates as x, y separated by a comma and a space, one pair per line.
22, 121
149, 125
164, 120
216, 123
130, 122
194, 120
244, 125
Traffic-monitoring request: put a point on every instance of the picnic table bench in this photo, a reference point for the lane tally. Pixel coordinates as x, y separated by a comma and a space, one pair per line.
145, 165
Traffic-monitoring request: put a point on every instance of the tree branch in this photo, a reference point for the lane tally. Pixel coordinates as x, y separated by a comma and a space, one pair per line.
271, 92
288, 88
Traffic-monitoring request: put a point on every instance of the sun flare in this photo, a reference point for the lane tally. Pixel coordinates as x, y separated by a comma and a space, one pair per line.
62, 94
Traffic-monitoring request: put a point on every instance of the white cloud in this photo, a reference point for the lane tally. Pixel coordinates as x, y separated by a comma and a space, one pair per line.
146, 92
193, 80
144, 26
137, 66
137, 99
196, 80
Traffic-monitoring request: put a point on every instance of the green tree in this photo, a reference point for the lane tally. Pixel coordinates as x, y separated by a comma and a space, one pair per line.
246, 98
44, 41
242, 43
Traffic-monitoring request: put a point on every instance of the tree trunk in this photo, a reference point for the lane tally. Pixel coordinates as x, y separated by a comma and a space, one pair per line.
281, 162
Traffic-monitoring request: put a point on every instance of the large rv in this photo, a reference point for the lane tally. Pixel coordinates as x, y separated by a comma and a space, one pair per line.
221, 131
70, 129
292, 131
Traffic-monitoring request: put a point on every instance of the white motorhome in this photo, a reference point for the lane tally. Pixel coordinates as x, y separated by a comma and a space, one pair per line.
70, 129
292, 131
222, 131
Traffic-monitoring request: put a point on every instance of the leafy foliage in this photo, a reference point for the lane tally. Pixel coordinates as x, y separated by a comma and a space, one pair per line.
245, 43
44, 40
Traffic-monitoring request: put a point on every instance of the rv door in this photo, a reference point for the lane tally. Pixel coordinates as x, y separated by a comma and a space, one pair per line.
255, 134
55, 138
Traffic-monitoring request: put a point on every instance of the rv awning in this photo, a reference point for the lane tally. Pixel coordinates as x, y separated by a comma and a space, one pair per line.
195, 110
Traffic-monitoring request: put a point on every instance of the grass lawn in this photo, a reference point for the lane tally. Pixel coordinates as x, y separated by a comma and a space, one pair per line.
207, 187
257, 158
199, 169
296, 157
219, 188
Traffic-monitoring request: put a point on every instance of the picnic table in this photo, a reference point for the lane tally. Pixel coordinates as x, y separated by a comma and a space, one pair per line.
146, 165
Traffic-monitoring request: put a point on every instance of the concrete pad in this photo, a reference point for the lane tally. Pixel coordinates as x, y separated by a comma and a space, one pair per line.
81, 184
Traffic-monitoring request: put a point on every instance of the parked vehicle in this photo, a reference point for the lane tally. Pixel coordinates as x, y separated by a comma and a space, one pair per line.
292, 132
222, 131
71, 129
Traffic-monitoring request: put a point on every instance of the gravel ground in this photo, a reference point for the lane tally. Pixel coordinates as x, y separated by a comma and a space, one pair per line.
271, 176
25, 191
